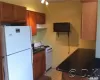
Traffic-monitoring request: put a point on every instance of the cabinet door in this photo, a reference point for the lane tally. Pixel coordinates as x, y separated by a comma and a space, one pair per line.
89, 20
19, 13
6, 12
36, 69
40, 18
43, 62
37, 66
31, 21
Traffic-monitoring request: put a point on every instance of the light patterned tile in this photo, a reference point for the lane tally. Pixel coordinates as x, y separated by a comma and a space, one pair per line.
54, 74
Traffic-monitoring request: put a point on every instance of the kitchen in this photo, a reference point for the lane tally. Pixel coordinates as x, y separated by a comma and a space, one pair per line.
72, 11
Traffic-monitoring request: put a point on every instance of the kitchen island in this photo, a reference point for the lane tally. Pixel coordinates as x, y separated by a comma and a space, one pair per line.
80, 65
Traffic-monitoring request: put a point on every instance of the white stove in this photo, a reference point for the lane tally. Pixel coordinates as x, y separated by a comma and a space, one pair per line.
48, 52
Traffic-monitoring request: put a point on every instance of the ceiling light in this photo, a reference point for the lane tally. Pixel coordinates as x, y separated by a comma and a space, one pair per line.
42, 1
46, 3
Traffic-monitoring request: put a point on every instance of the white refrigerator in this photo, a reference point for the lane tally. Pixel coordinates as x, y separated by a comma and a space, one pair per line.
16, 52
98, 33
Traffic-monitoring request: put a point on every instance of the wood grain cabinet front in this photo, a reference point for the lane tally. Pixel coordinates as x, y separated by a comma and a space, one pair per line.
6, 12
31, 21
89, 20
43, 63
10, 13
19, 13
38, 64
40, 18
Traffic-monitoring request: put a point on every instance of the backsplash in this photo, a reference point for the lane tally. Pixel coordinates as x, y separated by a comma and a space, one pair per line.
39, 36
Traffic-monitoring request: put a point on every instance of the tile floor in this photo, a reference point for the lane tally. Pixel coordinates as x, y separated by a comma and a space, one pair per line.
54, 74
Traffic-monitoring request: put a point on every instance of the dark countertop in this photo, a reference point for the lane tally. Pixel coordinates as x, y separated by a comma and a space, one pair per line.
38, 50
80, 59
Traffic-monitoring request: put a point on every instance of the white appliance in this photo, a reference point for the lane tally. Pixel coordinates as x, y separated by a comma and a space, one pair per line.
48, 52
98, 33
15, 42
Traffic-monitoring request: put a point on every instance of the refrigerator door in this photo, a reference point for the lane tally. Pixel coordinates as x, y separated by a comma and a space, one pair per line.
17, 38
20, 66
98, 33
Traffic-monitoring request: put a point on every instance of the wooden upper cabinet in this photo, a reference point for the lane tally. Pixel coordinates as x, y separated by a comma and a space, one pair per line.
19, 13
10, 13
40, 18
31, 21
89, 20
6, 12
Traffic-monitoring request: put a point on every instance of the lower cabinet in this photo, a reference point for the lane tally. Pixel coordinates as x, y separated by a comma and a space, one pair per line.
43, 62
39, 64
1, 70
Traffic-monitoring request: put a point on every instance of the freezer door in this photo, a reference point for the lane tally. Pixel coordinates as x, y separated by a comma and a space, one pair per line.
20, 66
17, 38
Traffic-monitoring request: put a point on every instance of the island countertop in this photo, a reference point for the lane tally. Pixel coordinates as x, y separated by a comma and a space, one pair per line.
81, 59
